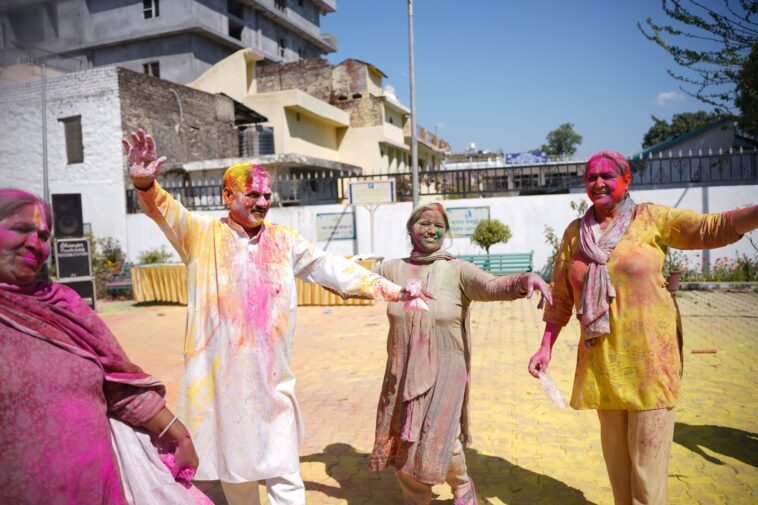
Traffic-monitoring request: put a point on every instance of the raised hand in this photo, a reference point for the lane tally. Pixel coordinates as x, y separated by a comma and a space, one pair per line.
142, 159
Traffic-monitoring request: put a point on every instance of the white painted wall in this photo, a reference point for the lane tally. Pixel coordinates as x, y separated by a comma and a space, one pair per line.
526, 216
93, 95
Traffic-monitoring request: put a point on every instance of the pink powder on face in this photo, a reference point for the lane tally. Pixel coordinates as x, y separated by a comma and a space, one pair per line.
260, 180
603, 176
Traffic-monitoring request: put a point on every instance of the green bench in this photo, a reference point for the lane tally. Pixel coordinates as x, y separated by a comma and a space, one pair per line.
121, 281
501, 264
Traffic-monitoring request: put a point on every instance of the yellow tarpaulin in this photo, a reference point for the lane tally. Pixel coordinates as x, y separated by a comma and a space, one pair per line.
167, 282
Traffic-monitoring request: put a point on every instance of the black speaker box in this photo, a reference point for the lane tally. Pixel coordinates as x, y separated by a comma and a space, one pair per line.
67, 215
85, 289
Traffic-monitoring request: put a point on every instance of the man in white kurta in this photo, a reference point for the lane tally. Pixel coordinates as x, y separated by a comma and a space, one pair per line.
238, 392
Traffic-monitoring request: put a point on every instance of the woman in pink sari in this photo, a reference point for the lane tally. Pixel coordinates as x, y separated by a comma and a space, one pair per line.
63, 376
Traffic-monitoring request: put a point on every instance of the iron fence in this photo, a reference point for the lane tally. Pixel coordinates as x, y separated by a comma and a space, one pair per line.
731, 166
307, 187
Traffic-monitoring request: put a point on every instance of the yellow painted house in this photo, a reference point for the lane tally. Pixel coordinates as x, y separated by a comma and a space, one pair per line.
320, 117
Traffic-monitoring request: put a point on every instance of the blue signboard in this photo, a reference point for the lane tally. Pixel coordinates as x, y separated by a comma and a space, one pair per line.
530, 158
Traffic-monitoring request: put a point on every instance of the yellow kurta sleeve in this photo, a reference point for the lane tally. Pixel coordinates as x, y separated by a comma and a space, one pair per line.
179, 225
685, 229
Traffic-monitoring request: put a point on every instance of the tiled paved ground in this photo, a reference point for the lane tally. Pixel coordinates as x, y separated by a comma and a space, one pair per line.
525, 450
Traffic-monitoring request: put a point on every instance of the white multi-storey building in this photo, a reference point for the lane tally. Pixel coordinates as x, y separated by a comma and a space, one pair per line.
176, 40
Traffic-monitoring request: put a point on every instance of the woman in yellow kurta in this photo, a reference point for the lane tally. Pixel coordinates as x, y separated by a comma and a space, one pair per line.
629, 365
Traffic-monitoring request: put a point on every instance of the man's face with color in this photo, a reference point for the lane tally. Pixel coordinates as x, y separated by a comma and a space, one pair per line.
249, 199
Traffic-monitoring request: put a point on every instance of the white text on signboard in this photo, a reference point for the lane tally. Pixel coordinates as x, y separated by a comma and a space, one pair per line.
372, 192
335, 226
463, 220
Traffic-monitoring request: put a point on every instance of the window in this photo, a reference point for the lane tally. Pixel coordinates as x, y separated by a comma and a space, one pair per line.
72, 132
152, 68
300, 2
280, 4
2, 36
235, 30
151, 8
235, 8
281, 47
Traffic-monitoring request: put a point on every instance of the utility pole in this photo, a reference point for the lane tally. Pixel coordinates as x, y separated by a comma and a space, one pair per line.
45, 184
414, 141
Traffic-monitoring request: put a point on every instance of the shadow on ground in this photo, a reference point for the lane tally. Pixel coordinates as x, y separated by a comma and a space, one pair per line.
494, 477
212, 489
731, 442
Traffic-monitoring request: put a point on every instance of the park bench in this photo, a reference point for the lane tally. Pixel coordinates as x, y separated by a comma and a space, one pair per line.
121, 281
501, 264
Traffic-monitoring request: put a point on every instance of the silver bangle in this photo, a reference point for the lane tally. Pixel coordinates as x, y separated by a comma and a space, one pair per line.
167, 427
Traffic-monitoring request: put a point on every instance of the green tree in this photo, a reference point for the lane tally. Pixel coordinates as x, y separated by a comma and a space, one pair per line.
490, 232
157, 255
716, 48
747, 94
680, 124
562, 140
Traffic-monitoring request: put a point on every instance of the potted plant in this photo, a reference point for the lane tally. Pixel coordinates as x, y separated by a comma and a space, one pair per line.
673, 265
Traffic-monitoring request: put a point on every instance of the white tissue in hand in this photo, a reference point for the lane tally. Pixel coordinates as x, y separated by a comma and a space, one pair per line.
413, 287
415, 305
552, 391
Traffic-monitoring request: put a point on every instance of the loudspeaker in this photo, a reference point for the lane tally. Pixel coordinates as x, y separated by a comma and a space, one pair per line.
67, 215
72, 258
85, 289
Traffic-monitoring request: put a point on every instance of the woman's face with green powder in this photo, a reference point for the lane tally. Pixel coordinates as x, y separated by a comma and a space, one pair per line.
428, 232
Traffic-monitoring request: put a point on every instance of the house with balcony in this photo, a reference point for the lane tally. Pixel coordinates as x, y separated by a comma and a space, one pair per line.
335, 120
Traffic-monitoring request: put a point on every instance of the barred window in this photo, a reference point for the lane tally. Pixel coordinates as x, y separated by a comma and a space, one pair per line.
152, 68
151, 8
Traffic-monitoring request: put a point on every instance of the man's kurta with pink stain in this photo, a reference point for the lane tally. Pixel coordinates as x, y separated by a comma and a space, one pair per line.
638, 365
238, 393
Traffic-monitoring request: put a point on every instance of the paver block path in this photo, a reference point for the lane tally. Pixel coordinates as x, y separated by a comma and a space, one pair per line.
525, 450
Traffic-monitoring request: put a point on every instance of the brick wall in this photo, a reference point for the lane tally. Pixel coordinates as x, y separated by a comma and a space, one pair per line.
313, 76
349, 80
365, 111
188, 125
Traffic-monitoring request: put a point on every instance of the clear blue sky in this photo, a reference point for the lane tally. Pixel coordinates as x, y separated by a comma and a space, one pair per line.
503, 73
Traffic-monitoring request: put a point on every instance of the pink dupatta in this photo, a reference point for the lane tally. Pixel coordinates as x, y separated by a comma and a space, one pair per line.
598, 290
56, 314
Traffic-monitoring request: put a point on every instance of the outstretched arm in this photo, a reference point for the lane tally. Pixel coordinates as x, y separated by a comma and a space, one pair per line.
178, 224
482, 286
345, 276
745, 220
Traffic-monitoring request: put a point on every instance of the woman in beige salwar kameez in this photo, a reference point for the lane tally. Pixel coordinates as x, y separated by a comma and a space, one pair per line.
422, 418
